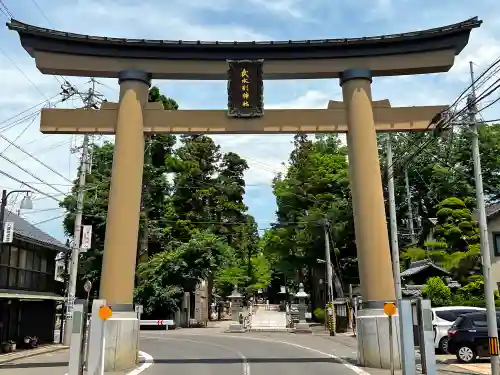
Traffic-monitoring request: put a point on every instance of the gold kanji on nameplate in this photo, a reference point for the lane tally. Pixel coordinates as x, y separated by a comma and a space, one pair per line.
245, 88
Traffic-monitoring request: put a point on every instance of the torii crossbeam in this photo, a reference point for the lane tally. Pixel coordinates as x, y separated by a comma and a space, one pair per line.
275, 121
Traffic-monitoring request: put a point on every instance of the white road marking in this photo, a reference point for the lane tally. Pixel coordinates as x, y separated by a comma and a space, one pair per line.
350, 366
148, 362
244, 360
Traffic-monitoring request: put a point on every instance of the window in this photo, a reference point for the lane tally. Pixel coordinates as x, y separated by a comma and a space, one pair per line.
29, 260
36, 262
43, 266
22, 258
29, 278
496, 243
35, 278
480, 322
449, 315
21, 279
3, 277
51, 266
4, 255
12, 278
14, 256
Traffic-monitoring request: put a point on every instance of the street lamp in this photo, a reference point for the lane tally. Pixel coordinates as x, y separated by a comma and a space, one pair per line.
26, 204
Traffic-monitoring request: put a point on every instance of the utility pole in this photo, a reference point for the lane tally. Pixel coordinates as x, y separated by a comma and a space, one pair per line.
410, 208
393, 221
483, 230
75, 250
329, 271
405, 331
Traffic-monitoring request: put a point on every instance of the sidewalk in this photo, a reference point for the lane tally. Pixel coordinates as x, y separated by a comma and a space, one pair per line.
54, 363
7, 357
446, 364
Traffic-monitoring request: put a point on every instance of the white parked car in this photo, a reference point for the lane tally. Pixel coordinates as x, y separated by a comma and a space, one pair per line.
442, 320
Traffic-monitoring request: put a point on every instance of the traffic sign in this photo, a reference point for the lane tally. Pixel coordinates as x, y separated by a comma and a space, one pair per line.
105, 312
390, 309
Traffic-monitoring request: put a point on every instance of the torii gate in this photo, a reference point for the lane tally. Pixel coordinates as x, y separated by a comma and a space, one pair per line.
354, 61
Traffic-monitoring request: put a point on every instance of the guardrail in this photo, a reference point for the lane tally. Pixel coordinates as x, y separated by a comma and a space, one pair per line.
158, 323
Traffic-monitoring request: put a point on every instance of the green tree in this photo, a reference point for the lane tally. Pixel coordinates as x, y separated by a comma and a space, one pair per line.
441, 169
314, 188
166, 274
456, 245
192, 205
96, 197
437, 291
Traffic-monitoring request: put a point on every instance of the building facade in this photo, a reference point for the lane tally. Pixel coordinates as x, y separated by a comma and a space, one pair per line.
29, 292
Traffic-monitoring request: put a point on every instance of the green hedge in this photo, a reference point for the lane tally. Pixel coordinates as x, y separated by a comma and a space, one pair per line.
319, 314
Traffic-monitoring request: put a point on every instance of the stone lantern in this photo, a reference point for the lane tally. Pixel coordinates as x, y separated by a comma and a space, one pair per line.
235, 299
302, 325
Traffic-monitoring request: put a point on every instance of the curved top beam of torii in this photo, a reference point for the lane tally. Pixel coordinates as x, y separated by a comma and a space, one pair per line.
419, 52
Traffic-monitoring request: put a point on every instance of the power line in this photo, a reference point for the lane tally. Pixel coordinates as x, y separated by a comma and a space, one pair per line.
28, 185
443, 122
5, 10
19, 136
30, 173
22, 72
445, 125
41, 11
34, 158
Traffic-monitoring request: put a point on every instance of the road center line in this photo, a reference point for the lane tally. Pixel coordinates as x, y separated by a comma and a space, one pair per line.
244, 360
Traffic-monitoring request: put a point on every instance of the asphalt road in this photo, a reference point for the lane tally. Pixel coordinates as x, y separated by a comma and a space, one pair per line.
232, 355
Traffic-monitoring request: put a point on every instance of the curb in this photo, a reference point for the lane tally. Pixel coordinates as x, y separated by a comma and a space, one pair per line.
30, 353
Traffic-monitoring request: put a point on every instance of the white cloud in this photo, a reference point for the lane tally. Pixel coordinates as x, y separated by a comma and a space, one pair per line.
148, 20
291, 8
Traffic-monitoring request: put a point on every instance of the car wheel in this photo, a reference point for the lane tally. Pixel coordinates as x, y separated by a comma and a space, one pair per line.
443, 345
466, 354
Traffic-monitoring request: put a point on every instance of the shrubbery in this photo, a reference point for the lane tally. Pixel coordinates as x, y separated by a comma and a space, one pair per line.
319, 314
471, 294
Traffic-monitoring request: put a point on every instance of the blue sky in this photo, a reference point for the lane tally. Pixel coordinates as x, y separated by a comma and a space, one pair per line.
22, 86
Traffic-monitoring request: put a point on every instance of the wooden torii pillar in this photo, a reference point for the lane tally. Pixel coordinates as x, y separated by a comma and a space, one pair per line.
132, 117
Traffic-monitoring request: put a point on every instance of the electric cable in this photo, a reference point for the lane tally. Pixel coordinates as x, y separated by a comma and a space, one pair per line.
444, 123
31, 187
